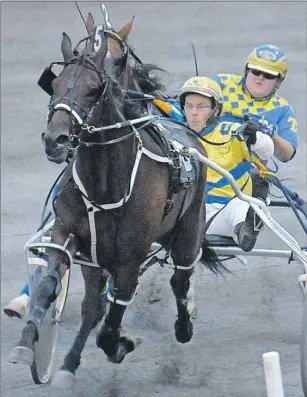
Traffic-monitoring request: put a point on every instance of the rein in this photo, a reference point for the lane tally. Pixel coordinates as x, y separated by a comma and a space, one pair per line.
210, 142
111, 142
128, 123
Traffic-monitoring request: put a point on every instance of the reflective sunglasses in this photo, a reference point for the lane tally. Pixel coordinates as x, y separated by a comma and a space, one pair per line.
267, 76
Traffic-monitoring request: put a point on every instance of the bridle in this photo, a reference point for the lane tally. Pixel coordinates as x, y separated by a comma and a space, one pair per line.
79, 114
66, 102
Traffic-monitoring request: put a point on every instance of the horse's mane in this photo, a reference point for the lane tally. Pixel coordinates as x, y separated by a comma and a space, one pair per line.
148, 78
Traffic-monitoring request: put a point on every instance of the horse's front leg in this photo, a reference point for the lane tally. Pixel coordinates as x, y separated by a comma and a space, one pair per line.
93, 311
109, 338
47, 291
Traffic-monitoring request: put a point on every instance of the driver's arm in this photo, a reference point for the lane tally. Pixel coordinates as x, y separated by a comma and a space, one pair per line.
283, 150
285, 137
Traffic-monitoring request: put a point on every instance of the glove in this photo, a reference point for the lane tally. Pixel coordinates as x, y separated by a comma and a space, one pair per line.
266, 128
249, 132
263, 146
251, 126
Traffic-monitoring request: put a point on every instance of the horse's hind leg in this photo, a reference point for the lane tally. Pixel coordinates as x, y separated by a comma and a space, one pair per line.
191, 296
92, 314
180, 284
47, 291
185, 249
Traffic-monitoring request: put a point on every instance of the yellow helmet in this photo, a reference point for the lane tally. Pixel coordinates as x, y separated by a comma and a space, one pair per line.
203, 86
270, 59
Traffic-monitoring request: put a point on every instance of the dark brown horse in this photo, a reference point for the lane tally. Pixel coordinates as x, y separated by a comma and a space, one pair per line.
123, 190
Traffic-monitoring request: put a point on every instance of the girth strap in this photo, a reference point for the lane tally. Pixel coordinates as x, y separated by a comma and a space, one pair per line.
93, 207
91, 213
140, 151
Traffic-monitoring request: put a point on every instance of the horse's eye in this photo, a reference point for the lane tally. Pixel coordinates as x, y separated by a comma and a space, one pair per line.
91, 90
92, 87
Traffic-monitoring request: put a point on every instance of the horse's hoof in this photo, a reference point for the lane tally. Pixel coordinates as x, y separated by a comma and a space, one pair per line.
119, 356
64, 380
21, 355
183, 332
130, 342
17, 307
126, 344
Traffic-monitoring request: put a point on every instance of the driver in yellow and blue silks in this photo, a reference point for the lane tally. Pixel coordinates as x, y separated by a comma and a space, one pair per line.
254, 95
201, 102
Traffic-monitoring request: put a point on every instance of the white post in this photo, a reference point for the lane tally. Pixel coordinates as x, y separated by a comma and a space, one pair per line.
272, 372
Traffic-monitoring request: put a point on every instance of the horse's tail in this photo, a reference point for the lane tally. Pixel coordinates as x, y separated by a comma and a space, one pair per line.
210, 259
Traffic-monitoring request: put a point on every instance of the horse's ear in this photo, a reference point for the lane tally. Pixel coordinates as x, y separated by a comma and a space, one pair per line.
124, 32
66, 48
90, 23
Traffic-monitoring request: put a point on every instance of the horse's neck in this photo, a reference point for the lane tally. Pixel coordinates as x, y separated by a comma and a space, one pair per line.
105, 171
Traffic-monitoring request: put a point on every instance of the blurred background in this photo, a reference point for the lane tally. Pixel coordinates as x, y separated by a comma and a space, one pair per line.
257, 308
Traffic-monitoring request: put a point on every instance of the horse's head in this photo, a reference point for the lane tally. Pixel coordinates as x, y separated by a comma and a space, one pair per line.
81, 83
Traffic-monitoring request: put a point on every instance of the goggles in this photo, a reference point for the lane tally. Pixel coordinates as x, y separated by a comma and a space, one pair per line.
258, 73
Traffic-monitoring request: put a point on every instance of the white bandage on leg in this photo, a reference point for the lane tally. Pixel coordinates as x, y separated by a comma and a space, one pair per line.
191, 266
120, 301
191, 307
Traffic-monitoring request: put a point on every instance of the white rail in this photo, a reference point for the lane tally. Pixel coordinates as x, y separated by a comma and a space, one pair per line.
272, 372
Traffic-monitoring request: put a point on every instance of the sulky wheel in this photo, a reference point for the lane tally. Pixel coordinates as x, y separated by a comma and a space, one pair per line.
304, 347
44, 348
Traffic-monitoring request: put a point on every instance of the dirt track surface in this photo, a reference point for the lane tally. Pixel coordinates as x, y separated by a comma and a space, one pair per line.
256, 309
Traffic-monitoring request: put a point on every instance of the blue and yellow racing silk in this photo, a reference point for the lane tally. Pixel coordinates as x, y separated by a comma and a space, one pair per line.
238, 103
233, 156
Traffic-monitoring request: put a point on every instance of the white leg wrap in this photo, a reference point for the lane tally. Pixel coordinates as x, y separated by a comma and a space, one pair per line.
191, 307
191, 266
119, 301
191, 291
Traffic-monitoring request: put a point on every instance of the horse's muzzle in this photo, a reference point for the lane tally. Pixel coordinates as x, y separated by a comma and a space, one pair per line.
56, 149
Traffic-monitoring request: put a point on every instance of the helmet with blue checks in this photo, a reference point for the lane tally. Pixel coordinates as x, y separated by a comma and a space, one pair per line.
270, 59
203, 86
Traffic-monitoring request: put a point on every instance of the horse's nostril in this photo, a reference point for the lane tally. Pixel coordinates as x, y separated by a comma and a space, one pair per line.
46, 141
62, 139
